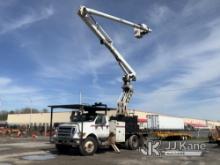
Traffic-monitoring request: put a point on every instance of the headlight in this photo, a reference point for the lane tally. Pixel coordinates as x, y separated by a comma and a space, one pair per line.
73, 130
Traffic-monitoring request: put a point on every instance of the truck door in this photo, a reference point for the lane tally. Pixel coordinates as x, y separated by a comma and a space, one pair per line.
101, 126
105, 126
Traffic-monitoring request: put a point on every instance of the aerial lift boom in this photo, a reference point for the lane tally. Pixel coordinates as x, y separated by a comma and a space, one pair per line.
129, 74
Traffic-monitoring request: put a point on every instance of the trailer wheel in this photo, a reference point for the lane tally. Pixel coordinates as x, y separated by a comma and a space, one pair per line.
88, 146
184, 138
133, 142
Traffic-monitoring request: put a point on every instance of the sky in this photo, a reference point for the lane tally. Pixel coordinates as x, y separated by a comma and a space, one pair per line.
49, 56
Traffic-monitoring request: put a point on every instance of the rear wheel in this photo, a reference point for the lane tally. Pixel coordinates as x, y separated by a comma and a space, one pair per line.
127, 144
88, 146
133, 142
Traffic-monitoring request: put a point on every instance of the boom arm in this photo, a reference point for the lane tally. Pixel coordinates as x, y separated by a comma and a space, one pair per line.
130, 75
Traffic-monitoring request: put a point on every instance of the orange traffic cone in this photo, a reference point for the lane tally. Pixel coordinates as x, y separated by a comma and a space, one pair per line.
34, 136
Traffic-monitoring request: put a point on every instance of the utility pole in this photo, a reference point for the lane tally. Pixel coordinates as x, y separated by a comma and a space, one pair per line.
1, 109
30, 112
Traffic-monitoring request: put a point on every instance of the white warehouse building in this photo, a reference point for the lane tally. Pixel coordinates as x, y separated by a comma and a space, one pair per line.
60, 117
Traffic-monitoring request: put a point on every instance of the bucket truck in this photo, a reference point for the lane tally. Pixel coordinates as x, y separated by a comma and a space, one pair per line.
90, 128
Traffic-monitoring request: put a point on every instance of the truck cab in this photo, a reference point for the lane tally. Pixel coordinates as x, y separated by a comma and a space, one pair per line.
88, 124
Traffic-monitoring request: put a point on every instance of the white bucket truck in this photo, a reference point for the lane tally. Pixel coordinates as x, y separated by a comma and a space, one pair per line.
90, 128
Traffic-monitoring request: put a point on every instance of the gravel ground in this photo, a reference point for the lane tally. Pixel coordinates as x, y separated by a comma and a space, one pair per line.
27, 151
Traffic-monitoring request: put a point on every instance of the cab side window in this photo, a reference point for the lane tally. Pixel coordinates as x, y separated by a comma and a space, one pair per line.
100, 120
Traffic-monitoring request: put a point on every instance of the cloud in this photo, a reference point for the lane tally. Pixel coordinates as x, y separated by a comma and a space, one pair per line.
6, 3
159, 14
178, 74
27, 19
7, 87
173, 63
4, 81
184, 60
181, 53
14, 96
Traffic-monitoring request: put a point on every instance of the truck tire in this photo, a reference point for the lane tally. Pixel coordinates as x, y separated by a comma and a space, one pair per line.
62, 148
141, 141
127, 144
133, 142
89, 146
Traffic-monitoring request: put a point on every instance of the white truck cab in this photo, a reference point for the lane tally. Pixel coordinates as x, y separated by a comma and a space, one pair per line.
97, 124
94, 127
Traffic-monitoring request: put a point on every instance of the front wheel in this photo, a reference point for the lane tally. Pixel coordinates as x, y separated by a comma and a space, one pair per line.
88, 146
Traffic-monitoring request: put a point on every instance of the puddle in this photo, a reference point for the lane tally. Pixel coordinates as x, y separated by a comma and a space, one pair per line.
39, 157
4, 149
27, 145
5, 163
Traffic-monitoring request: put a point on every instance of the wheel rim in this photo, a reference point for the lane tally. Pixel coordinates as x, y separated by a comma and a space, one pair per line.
89, 146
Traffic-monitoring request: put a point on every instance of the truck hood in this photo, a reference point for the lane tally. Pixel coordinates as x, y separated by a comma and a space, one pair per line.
77, 124
69, 125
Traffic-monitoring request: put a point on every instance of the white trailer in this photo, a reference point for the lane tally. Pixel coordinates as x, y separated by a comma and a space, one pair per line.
167, 127
160, 122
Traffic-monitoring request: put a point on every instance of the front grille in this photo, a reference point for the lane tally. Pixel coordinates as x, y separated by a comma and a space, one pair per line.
65, 131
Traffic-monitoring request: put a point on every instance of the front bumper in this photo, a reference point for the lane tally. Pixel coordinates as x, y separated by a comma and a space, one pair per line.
67, 141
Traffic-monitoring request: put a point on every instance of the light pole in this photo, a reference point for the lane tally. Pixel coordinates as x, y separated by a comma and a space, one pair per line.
80, 97
30, 112
0, 108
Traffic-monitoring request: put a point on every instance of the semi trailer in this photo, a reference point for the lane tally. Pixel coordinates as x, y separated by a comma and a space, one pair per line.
161, 122
167, 127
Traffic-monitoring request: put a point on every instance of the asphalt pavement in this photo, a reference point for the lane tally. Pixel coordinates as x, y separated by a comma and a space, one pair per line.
19, 151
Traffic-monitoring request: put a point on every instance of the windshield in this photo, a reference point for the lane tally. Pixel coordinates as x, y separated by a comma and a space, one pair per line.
84, 117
